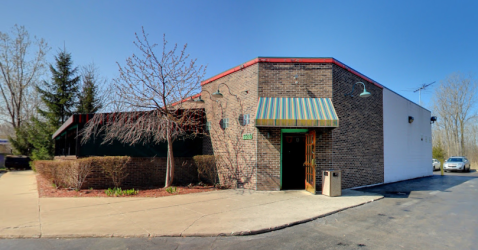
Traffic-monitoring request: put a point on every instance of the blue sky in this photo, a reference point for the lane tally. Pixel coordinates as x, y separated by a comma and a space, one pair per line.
400, 44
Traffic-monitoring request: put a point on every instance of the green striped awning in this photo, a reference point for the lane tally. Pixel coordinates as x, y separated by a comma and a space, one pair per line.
296, 112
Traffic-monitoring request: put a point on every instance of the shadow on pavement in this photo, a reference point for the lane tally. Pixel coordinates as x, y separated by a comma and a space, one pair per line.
435, 182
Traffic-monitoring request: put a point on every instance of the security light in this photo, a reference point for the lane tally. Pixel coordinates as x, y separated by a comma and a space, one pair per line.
410, 119
199, 99
217, 94
364, 94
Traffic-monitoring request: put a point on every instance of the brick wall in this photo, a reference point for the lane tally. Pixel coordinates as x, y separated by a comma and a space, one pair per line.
236, 157
144, 172
358, 141
355, 147
277, 80
268, 154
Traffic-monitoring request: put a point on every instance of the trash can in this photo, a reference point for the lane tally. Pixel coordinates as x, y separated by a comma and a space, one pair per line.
332, 183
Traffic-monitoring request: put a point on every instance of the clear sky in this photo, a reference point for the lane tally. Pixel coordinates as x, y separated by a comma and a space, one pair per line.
400, 44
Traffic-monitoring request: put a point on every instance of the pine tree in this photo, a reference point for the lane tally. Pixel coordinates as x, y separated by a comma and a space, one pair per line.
20, 143
59, 97
61, 93
39, 135
88, 98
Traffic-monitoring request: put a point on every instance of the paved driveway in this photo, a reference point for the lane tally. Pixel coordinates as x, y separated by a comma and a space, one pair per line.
227, 212
428, 213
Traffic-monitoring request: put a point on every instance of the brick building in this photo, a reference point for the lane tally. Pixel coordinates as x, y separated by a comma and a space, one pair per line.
277, 123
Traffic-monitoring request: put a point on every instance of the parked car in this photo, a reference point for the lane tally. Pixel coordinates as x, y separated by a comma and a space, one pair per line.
436, 164
456, 163
17, 162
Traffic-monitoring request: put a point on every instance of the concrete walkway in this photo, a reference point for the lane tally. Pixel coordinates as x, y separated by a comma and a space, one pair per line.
228, 212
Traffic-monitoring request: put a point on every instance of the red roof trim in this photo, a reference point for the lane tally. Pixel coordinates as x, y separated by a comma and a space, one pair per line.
291, 60
186, 99
64, 126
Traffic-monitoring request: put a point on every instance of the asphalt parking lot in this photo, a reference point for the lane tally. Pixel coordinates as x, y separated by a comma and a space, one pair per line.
437, 212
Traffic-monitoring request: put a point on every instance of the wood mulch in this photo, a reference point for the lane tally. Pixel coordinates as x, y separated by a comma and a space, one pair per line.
46, 189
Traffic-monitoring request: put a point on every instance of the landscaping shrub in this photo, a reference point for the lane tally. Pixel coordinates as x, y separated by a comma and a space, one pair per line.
67, 174
207, 169
114, 167
79, 171
49, 170
119, 192
171, 190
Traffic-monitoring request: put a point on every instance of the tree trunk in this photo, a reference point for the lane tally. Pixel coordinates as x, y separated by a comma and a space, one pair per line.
169, 162
462, 143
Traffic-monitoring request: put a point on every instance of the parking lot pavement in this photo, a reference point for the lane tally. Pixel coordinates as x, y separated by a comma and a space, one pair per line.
437, 212
225, 212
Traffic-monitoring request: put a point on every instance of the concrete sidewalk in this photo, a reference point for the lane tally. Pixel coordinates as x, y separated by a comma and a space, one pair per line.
228, 212
19, 214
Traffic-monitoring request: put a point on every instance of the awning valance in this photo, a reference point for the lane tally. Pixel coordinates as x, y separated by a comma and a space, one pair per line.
296, 112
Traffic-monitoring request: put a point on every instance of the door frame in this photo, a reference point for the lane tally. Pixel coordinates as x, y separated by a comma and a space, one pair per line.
288, 131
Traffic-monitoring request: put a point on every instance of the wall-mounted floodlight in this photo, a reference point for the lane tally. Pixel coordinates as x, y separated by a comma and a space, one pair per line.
410, 119
217, 94
364, 94
199, 99
433, 119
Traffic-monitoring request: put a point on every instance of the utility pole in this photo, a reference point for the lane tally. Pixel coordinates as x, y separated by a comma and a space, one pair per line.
420, 92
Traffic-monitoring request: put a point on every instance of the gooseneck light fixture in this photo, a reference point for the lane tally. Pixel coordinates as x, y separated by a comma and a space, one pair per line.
218, 93
199, 99
364, 94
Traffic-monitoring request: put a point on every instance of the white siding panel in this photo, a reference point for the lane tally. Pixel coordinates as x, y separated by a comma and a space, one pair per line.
407, 147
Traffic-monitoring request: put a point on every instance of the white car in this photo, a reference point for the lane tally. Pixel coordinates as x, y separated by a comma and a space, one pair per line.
455, 163
436, 164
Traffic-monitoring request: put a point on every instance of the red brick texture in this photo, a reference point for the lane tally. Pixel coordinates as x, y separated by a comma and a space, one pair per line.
279, 80
355, 147
236, 157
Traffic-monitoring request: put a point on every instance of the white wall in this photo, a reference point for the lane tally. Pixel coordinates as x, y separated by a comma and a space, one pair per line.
407, 147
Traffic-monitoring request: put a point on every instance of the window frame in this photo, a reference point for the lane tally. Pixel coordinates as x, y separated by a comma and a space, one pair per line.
225, 123
208, 126
246, 121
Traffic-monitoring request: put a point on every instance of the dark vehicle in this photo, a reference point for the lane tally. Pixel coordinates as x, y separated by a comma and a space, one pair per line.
17, 162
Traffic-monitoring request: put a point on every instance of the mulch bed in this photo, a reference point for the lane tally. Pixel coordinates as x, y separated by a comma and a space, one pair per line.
46, 189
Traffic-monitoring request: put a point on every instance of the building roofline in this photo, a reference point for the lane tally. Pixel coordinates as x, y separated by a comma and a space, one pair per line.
291, 60
76, 118
187, 98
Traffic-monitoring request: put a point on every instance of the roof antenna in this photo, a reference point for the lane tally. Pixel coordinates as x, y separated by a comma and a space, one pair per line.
423, 87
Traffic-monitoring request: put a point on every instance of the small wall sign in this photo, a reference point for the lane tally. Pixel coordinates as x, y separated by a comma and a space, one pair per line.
247, 136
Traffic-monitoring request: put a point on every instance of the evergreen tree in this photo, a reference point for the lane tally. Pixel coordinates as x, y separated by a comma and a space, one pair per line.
39, 136
59, 97
60, 94
20, 143
88, 98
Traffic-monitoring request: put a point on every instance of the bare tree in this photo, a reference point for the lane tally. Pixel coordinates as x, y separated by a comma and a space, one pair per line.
22, 61
151, 91
455, 102
235, 164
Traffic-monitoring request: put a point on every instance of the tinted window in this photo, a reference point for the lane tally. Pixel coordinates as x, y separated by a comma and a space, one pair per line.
455, 160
